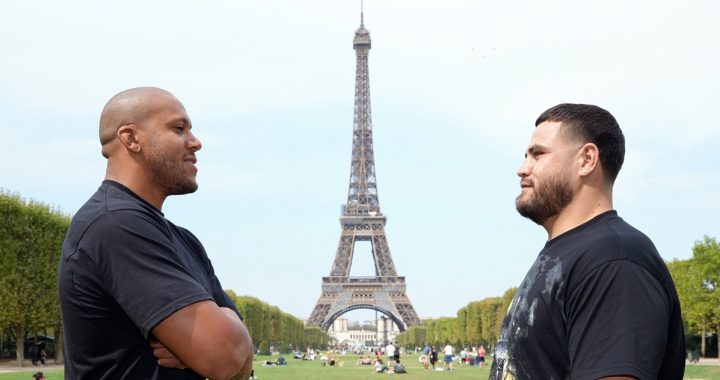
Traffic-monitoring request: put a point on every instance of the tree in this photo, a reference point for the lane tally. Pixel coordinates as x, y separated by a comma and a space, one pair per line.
689, 284
473, 325
31, 236
706, 261
316, 338
697, 280
268, 325
477, 323
460, 333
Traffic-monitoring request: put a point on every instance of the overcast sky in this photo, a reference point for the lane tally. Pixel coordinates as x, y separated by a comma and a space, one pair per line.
456, 87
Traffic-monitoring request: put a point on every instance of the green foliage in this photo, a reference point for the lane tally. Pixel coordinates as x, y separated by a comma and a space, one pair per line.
461, 322
697, 280
31, 236
706, 261
270, 326
415, 336
316, 338
477, 323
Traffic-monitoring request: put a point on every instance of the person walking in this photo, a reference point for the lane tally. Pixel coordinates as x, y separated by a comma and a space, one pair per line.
481, 356
433, 357
425, 357
390, 352
448, 351
397, 352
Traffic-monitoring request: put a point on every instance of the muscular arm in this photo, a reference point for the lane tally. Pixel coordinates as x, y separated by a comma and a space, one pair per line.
210, 340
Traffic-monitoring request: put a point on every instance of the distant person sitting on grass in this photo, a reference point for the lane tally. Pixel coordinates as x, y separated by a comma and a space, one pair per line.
379, 367
364, 361
399, 368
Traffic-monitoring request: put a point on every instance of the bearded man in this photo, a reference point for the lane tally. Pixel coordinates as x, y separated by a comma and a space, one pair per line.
138, 295
599, 302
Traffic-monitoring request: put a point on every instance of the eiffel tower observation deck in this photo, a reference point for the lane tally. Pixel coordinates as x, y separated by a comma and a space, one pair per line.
362, 220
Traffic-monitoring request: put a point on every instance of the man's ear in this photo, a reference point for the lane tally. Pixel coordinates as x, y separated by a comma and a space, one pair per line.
127, 135
589, 157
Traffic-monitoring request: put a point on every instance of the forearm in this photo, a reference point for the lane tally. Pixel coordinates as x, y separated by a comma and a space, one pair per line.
211, 340
245, 348
237, 364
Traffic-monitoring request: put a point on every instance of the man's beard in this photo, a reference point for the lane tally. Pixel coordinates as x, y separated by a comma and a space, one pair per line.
170, 174
547, 200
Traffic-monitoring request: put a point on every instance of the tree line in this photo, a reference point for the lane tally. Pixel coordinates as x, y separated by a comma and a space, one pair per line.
31, 234
271, 327
476, 324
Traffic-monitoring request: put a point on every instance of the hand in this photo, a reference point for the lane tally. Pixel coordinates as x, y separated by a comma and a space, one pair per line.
165, 357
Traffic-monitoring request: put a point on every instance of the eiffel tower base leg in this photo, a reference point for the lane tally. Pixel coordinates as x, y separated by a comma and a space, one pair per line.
343, 294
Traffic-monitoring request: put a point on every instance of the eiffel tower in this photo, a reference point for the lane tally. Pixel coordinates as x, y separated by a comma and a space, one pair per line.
362, 220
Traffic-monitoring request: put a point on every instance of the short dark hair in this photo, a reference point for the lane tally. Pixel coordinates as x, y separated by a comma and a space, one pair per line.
591, 124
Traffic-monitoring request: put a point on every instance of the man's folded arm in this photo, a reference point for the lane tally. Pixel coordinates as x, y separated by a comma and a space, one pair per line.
209, 339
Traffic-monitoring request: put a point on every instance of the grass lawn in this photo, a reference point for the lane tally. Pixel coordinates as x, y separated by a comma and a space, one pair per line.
312, 370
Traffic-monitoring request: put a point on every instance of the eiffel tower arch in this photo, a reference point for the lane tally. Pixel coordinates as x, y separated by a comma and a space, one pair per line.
361, 220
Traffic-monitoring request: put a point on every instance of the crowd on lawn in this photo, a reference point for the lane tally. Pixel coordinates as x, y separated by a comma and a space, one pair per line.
387, 359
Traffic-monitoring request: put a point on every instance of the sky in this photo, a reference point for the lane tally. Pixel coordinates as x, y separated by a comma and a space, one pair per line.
455, 86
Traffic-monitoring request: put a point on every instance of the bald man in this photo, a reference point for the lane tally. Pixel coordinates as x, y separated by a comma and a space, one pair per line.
138, 295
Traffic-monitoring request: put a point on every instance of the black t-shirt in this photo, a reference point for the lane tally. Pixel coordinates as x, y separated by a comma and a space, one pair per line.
124, 269
598, 301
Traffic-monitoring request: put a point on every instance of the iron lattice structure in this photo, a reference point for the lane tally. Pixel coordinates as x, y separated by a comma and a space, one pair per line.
362, 220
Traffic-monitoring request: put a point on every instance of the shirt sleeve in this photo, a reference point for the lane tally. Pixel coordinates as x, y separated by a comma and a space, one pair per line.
138, 264
219, 295
617, 322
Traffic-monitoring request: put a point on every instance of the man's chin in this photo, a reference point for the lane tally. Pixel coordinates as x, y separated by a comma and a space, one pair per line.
528, 212
187, 188
521, 204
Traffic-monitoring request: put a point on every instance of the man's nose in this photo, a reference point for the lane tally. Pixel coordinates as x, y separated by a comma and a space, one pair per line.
194, 143
524, 169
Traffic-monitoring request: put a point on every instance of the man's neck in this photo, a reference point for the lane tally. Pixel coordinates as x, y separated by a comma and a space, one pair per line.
149, 194
576, 213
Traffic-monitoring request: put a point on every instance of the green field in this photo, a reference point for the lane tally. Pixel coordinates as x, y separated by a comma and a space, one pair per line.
312, 370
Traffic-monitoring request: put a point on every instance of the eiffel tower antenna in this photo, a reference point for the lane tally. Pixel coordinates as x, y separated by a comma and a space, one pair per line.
362, 24
361, 220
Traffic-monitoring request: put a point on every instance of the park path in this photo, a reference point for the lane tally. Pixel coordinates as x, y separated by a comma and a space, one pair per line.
10, 365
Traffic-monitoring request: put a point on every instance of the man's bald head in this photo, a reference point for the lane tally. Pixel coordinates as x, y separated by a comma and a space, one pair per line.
131, 106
